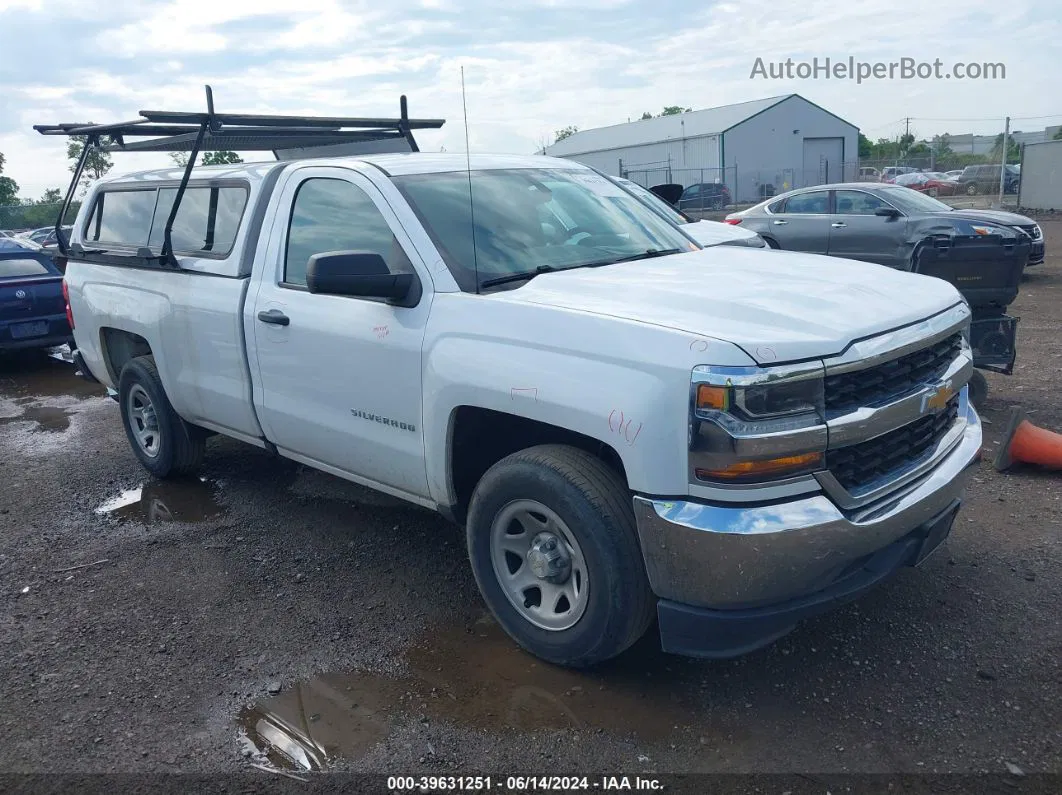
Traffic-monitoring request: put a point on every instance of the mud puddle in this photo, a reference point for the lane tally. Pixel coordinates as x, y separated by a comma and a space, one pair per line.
475, 677
44, 374
165, 501
46, 418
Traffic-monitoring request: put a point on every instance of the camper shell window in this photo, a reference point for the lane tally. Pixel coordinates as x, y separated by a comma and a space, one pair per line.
206, 225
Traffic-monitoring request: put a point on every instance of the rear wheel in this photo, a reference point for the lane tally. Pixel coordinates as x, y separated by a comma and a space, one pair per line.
554, 549
771, 242
165, 444
971, 189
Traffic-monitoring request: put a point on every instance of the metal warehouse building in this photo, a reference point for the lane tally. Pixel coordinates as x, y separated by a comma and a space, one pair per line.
756, 148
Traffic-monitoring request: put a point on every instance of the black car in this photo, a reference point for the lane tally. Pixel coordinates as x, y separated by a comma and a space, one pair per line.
982, 252
704, 196
985, 179
32, 306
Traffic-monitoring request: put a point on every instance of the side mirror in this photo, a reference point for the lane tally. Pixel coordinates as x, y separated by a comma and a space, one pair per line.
888, 212
358, 273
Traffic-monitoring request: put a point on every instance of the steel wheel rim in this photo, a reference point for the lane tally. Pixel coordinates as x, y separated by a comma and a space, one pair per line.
143, 420
520, 532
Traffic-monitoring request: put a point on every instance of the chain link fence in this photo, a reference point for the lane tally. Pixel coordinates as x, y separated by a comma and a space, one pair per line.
26, 217
953, 180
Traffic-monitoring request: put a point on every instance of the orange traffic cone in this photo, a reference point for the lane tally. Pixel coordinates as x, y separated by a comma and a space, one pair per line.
1027, 444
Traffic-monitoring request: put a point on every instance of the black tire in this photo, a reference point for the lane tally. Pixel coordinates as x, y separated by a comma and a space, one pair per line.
978, 389
595, 504
771, 243
971, 189
181, 446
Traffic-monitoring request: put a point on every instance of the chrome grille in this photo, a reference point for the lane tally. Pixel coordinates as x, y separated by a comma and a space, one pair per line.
863, 464
875, 385
1032, 231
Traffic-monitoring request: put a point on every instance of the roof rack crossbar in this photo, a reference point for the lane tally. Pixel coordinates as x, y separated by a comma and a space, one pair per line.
239, 140
175, 117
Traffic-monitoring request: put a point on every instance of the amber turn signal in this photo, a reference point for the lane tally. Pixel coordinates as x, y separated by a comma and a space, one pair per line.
771, 467
713, 397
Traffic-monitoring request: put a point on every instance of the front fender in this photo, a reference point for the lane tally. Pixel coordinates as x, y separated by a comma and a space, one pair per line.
622, 383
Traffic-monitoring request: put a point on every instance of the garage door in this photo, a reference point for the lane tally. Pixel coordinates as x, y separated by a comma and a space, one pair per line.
823, 160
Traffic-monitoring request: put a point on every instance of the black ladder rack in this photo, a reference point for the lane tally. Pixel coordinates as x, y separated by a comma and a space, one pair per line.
172, 131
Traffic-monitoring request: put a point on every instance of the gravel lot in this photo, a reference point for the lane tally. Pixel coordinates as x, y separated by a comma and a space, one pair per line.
267, 591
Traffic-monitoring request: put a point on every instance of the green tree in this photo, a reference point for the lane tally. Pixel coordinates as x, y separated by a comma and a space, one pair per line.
647, 115
220, 158
565, 132
180, 158
97, 164
51, 196
1013, 150
8, 186
675, 110
866, 148
8, 191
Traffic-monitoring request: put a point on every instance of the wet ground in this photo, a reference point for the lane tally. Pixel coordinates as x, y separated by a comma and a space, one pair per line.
270, 615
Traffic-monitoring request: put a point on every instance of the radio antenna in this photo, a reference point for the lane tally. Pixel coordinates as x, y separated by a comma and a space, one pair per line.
468, 171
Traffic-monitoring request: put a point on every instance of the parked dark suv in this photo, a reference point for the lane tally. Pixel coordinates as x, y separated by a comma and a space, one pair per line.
985, 179
704, 196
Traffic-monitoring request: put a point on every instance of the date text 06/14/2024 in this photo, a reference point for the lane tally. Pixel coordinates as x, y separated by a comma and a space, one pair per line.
426, 784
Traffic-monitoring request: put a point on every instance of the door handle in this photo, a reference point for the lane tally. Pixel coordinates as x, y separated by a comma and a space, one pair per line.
275, 317
838, 224
780, 223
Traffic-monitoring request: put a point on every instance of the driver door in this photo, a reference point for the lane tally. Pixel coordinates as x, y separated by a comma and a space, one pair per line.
857, 233
339, 377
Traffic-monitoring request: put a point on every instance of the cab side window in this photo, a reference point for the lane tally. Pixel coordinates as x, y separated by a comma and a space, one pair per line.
856, 202
335, 215
816, 203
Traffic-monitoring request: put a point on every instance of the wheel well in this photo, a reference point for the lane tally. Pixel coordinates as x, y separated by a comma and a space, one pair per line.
770, 241
479, 438
119, 347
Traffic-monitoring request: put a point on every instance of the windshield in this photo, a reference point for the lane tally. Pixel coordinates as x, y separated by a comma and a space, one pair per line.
911, 201
655, 202
533, 219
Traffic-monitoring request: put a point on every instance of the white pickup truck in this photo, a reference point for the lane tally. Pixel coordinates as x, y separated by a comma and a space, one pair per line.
627, 425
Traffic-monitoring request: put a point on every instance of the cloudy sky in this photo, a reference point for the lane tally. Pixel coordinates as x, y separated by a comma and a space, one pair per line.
530, 67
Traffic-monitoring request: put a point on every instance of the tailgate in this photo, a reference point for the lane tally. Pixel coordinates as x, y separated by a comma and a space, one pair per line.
987, 270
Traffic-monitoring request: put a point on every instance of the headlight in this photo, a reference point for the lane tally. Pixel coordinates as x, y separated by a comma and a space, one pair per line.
756, 424
777, 398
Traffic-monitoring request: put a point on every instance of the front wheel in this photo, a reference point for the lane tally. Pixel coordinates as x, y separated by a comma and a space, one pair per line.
971, 189
554, 549
163, 442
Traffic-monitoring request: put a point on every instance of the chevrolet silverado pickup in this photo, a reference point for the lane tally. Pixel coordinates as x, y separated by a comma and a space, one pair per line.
628, 426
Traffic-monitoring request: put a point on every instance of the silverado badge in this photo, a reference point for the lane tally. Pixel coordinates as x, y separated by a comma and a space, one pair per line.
938, 399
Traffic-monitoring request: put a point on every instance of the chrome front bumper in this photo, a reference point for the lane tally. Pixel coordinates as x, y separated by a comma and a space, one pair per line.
730, 556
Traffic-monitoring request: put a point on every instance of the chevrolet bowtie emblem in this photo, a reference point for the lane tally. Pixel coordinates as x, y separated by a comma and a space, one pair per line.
937, 400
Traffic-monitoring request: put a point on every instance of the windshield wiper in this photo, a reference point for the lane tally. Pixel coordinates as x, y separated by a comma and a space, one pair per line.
515, 277
650, 254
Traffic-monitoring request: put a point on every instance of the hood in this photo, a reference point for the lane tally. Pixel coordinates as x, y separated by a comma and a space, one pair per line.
995, 216
778, 306
712, 233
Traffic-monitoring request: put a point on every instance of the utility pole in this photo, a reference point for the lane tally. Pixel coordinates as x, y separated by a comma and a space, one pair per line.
1003, 161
